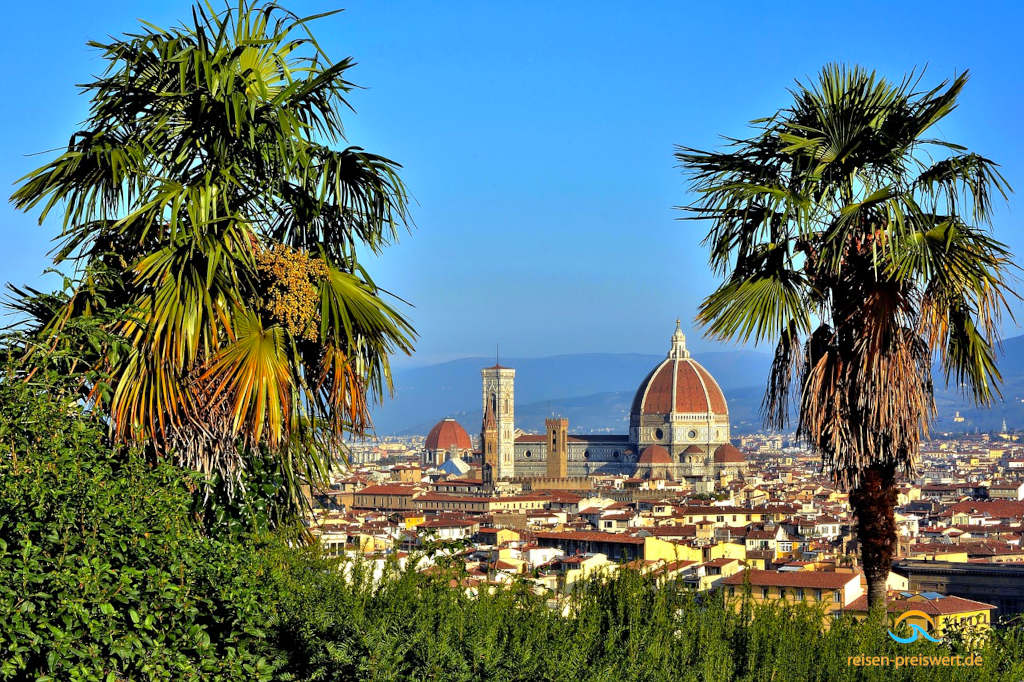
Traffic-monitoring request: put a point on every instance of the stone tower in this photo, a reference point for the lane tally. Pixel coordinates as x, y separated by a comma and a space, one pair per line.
558, 447
499, 396
489, 438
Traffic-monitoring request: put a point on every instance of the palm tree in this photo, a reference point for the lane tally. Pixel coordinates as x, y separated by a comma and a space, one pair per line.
859, 245
213, 231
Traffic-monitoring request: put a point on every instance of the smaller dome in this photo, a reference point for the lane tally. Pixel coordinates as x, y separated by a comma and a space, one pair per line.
447, 434
654, 454
728, 454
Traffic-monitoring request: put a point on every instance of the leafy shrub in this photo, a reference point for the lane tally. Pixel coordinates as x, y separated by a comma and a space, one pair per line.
420, 627
105, 572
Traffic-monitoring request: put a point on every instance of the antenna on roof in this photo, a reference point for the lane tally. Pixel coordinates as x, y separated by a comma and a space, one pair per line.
497, 353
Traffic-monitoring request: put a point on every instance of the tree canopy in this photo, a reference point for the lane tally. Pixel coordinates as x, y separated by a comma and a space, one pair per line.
213, 231
859, 243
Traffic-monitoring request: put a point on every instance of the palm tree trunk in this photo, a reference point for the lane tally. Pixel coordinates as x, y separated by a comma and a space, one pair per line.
873, 502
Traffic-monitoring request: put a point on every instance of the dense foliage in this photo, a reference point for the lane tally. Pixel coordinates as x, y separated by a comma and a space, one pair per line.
417, 627
211, 220
104, 570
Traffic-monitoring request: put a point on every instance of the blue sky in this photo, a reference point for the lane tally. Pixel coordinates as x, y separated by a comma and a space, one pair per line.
537, 140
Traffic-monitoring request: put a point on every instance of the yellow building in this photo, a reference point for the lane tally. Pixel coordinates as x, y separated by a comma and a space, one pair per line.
833, 590
565, 572
618, 546
413, 519
726, 550
336, 543
936, 552
711, 574
497, 536
943, 611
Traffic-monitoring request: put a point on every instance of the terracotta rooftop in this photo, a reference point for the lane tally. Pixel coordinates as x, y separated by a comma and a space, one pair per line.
728, 454
388, 489
654, 454
811, 579
531, 438
994, 508
591, 536
938, 606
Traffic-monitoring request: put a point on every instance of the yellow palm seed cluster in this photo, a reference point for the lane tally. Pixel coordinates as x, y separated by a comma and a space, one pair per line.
290, 280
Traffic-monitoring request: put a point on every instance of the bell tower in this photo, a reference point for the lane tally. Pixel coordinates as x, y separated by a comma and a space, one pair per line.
489, 437
558, 447
499, 398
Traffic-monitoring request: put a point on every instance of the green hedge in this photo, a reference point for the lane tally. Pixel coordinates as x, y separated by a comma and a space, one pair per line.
416, 627
107, 572
104, 572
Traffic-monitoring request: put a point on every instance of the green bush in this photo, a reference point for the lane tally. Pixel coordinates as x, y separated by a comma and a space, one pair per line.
418, 627
105, 572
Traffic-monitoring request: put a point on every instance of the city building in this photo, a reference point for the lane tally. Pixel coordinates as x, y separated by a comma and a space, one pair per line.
678, 430
834, 591
447, 440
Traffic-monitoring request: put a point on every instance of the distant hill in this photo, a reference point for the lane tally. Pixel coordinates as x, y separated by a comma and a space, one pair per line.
595, 390
950, 399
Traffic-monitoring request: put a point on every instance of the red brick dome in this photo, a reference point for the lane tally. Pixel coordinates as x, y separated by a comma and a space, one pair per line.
447, 434
679, 385
728, 454
654, 454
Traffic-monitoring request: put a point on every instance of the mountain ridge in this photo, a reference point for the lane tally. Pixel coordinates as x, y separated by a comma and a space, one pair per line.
595, 390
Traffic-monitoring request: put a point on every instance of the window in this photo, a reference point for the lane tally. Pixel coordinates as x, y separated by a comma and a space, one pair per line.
616, 453
764, 593
529, 454
799, 594
817, 595
836, 597
659, 434
782, 593
732, 590
692, 434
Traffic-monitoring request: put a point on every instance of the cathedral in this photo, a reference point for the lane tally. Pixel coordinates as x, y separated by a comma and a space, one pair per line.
678, 430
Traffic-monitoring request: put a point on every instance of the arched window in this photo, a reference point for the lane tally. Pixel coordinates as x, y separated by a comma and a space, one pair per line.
529, 454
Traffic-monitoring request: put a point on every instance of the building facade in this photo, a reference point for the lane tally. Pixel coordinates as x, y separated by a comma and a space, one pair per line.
498, 398
679, 429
